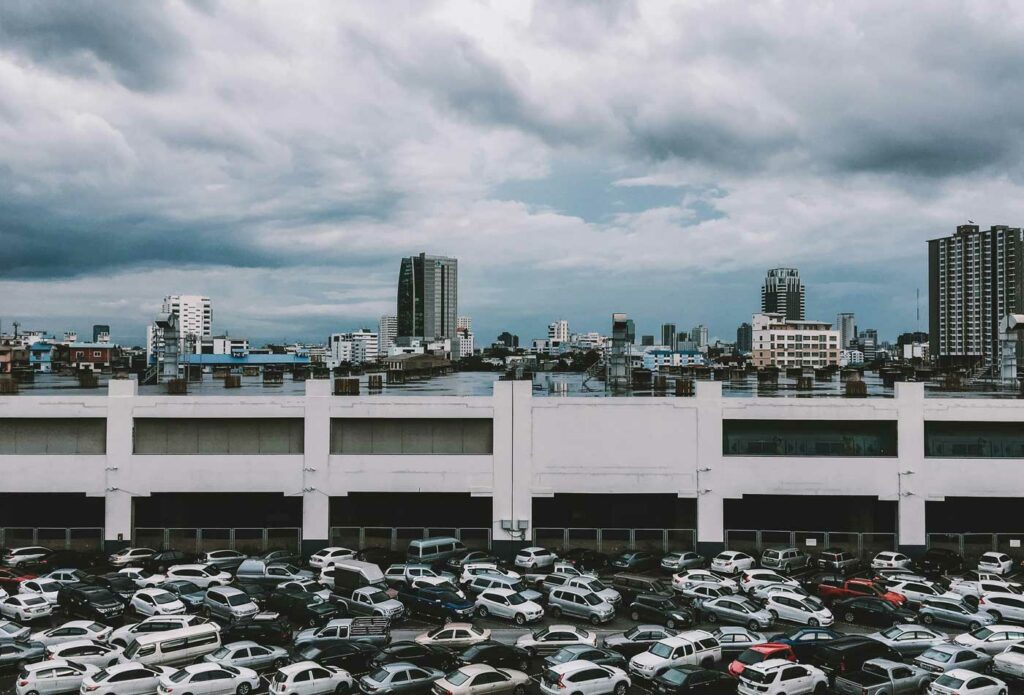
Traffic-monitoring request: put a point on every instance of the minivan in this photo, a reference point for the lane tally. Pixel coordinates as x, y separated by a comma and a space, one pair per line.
431, 550
580, 603
352, 574
785, 559
228, 603
173, 647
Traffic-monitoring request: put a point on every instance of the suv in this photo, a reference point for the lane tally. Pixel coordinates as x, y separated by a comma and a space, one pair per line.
89, 601
779, 676
228, 603
694, 648
785, 559
580, 603
584, 678
161, 560
630, 586
535, 558
25, 556
940, 561
838, 560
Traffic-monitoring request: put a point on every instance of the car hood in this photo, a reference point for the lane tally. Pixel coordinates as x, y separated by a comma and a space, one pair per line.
617, 639
646, 659
305, 635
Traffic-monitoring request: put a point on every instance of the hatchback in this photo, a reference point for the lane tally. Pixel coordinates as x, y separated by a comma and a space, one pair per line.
805, 610
455, 636
51, 677
682, 560
550, 639
508, 604
148, 602
228, 603
535, 558
131, 678
584, 678
959, 680
779, 676
996, 563
86, 652
72, 630
949, 612
310, 678
890, 560
738, 611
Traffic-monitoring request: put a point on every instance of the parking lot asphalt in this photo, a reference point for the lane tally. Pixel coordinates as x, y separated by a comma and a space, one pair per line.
506, 633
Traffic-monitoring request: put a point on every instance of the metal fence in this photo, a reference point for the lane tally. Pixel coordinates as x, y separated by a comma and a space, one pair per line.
85, 539
398, 537
616, 540
201, 540
865, 545
971, 545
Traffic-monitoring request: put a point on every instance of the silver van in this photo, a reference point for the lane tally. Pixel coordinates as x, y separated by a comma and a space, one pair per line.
580, 603
431, 550
173, 647
352, 574
228, 603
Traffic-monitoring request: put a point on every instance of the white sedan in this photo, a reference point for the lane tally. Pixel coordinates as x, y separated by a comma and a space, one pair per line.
41, 587
751, 579
471, 569
991, 639
455, 636
979, 588
703, 577
149, 602
86, 652
130, 678
309, 678
329, 556
25, 608
142, 578
203, 576
210, 679
71, 631
732, 562
1010, 663
960, 679
131, 556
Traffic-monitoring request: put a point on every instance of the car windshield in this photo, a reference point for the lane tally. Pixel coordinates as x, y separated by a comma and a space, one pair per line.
186, 588
380, 676
937, 655
814, 603
661, 649
10, 628
592, 599
378, 597
947, 681
751, 656
516, 599
982, 633
674, 676
596, 585
456, 678
238, 599
220, 653
100, 676
892, 633
164, 597
34, 600
291, 569
48, 587
755, 676
518, 586
179, 675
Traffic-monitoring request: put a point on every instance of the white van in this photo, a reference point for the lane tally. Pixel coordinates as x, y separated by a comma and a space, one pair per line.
431, 550
173, 647
352, 574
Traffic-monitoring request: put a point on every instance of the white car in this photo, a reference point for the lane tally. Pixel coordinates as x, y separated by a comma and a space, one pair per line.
805, 610
310, 678
752, 578
86, 651
471, 569
551, 639
535, 558
311, 586
890, 560
41, 587
142, 578
991, 639
202, 576
698, 577
682, 560
584, 678
329, 556
210, 679
455, 636
1010, 663
1008, 607
51, 677
508, 604
130, 556
979, 588
25, 608
66, 576
149, 602
71, 631
996, 563
123, 635
781, 677
763, 592
961, 680
691, 648
732, 562
25, 555
916, 592
131, 678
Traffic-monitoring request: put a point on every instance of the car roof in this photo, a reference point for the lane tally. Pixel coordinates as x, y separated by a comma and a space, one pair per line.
575, 665
962, 673
771, 664
473, 669
76, 643
201, 666
241, 643
48, 663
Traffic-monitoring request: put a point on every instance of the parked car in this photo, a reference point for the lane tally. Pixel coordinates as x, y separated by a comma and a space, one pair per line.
682, 560
90, 602
910, 640
918, 592
11, 631
402, 574
871, 610
87, 651
940, 561
1010, 663
884, 677
550, 639
595, 585
664, 610
759, 653
496, 654
210, 679
508, 604
958, 680
484, 582
731, 562
124, 635
436, 602
25, 556
328, 556
456, 562
952, 612
848, 653
700, 593
41, 587
634, 561
1003, 606
25, 608
311, 586
17, 654
636, 639
992, 639
71, 631
695, 647
471, 569
630, 586
806, 641
259, 593
408, 651
249, 654
785, 559
51, 677
535, 558
586, 560
142, 578
977, 589
164, 559
130, 556
370, 600
399, 678
380, 556
228, 603
890, 560
372, 630
155, 602
996, 563
310, 678
704, 577
225, 560
264, 628
270, 574
753, 578
203, 576
476, 679
354, 657
805, 610
454, 636
595, 655
275, 556
187, 592
780, 677
131, 678
585, 678
301, 606
580, 603
694, 680
735, 640
946, 657
838, 560
738, 611
834, 588
11, 579
68, 575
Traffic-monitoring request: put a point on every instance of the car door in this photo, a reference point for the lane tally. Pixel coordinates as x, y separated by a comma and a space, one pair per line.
901, 678
66, 679
320, 680
259, 658
795, 679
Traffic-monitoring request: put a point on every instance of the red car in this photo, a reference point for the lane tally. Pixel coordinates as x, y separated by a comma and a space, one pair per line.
11, 579
836, 589
759, 653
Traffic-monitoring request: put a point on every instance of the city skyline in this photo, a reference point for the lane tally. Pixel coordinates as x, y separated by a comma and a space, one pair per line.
578, 159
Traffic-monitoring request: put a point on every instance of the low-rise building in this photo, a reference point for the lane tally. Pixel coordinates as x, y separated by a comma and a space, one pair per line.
780, 342
95, 357
657, 359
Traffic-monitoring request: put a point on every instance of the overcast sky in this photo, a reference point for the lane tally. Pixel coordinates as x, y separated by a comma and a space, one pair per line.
578, 158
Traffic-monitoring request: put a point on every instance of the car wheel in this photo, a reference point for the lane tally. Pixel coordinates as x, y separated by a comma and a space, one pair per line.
670, 624
634, 616
520, 619
524, 664
819, 689
279, 662
996, 615
711, 618
753, 626
342, 689
205, 612
927, 619
849, 617
531, 652
973, 625
32, 692
774, 614
243, 689
595, 620
556, 612
620, 688
812, 622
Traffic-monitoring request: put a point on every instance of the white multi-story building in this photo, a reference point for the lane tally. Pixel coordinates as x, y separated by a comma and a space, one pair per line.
357, 347
558, 331
465, 337
850, 356
465, 322
195, 322
387, 330
783, 343
656, 359
589, 341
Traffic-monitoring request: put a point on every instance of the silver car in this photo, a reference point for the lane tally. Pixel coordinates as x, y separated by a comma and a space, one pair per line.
249, 654
952, 612
947, 657
682, 560
228, 603
910, 640
580, 603
736, 610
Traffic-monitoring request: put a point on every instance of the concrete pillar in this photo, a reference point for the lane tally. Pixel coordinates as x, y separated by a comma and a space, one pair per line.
911, 524
117, 525
512, 500
710, 467
316, 507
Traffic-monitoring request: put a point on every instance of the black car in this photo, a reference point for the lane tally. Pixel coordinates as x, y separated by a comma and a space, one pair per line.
119, 584
635, 561
597, 655
263, 628
940, 561
870, 610
806, 641
14, 655
661, 609
90, 601
354, 657
257, 592
302, 606
848, 654
380, 556
586, 560
71, 559
495, 654
682, 680
630, 586
637, 639
167, 557
283, 556
428, 655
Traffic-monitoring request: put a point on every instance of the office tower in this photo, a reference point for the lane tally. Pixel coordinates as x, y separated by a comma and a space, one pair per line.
558, 331
974, 280
387, 329
783, 293
100, 333
668, 336
428, 297
646, 340
744, 338
508, 340
845, 324
699, 335
195, 321
464, 322
867, 342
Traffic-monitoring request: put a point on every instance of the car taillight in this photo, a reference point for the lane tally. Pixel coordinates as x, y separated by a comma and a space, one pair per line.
90, 688
981, 600
561, 682
22, 683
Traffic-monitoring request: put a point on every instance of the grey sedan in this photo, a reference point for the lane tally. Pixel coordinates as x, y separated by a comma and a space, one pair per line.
951, 612
910, 640
736, 610
736, 640
402, 677
947, 657
249, 654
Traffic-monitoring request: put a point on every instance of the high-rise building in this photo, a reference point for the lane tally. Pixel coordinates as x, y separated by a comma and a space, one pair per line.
508, 340
669, 337
699, 335
100, 333
783, 293
428, 297
195, 322
744, 338
974, 280
647, 340
387, 329
847, 326
558, 331
464, 322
